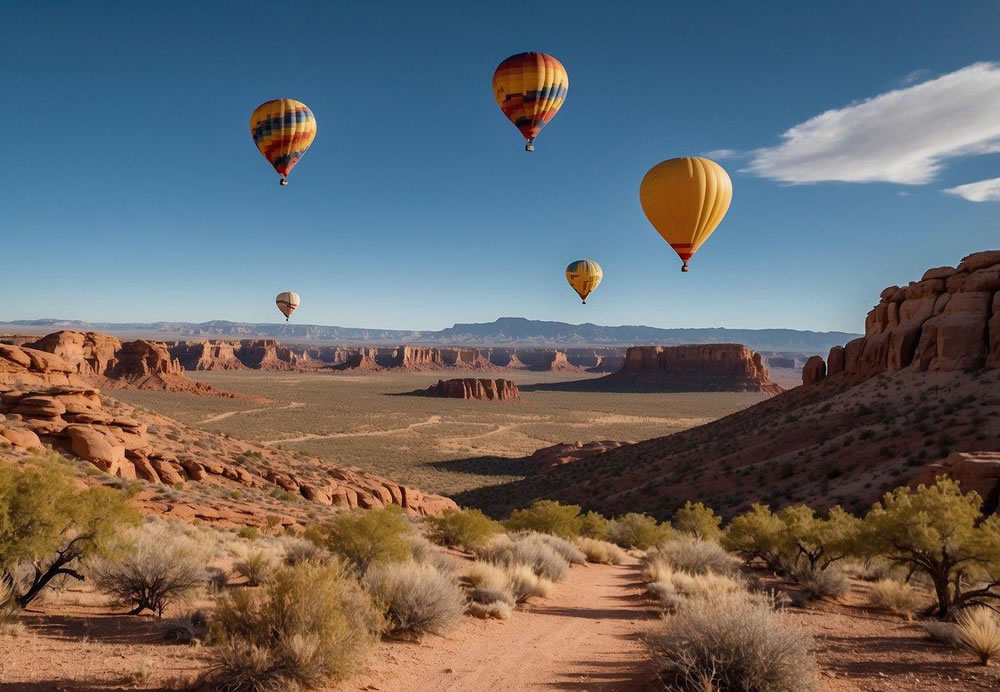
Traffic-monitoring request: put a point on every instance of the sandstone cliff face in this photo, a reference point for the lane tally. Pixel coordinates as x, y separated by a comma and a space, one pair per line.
947, 321
207, 355
562, 453
89, 353
708, 367
974, 471
473, 388
268, 354
417, 358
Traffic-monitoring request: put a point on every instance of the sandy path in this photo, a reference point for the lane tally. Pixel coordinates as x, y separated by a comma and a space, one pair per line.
228, 414
586, 637
433, 420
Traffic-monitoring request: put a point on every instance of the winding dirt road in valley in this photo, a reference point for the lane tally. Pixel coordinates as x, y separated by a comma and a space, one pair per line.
587, 636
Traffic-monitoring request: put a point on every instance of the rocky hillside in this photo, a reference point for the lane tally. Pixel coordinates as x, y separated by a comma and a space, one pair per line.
922, 384
472, 388
188, 473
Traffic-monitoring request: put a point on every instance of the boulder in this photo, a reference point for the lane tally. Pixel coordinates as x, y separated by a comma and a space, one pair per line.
20, 437
814, 370
91, 443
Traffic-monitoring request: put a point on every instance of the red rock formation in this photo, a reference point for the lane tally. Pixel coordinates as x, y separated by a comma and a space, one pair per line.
948, 321
694, 368
268, 354
207, 355
978, 471
814, 370
568, 452
89, 353
472, 388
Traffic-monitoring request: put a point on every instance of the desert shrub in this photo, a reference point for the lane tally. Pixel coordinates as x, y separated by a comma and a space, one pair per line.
897, 596
547, 516
523, 583
46, 520
600, 551
755, 534
257, 567
806, 537
9, 622
822, 583
466, 529
298, 551
637, 531
186, 630
732, 642
216, 578
415, 598
940, 532
979, 632
154, 568
498, 610
366, 537
308, 624
706, 586
697, 556
250, 533
485, 575
943, 632
569, 552
593, 525
420, 548
485, 595
697, 520
526, 550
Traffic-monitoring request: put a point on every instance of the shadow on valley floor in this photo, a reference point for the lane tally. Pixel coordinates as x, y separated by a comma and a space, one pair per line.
125, 683
498, 467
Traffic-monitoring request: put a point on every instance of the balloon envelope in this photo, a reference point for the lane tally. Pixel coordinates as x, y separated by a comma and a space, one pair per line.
685, 200
287, 302
530, 89
584, 276
283, 130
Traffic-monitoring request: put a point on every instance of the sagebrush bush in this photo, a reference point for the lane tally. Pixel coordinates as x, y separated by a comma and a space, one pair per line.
897, 596
497, 610
732, 642
638, 531
415, 598
523, 583
569, 552
593, 525
366, 537
697, 556
831, 582
307, 624
481, 594
298, 551
547, 516
601, 552
256, 567
154, 568
485, 575
979, 632
669, 585
466, 528
526, 550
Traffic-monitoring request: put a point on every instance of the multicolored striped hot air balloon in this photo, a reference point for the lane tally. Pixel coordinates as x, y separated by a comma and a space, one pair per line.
685, 200
283, 130
530, 89
584, 276
287, 302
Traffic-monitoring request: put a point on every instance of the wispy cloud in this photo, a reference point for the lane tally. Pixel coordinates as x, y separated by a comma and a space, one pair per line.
982, 191
724, 154
901, 136
915, 76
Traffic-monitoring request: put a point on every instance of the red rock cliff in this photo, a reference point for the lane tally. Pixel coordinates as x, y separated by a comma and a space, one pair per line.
472, 388
699, 367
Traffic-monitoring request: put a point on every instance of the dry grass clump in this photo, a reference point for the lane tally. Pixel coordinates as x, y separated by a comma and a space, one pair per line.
298, 551
601, 552
10, 624
528, 549
467, 529
671, 587
415, 598
697, 556
979, 632
515, 583
831, 582
308, 624
569, 552
257, 567
896, 596
498, 610
524, 583
485, 575
732, 642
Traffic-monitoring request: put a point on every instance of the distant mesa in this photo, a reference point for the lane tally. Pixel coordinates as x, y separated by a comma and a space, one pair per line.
562, 453
693, 368
472, 388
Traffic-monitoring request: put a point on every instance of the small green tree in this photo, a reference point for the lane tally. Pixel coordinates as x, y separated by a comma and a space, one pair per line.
755, 534
818, 541
366, 537
547, 516
695, 519
467, 528
593, 525
48, 521
638, 531
939, 531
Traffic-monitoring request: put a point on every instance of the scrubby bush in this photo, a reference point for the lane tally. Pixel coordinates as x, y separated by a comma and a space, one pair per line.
415, 598
366, 537
308, 624
485, 575
498, 610
668, 585
732, 642
524, 583
466, 529
256, 567
46, 520
979, 632
547, 516
637, 531
696, 556
755, 534
593, 525
822, 583
569, 552
526, 550
155, 568
817, 541
699, 521
484, 595
298, 551
600, 552
897, 596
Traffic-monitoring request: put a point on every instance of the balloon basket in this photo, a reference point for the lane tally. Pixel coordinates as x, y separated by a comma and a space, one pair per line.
529, 147
283, 182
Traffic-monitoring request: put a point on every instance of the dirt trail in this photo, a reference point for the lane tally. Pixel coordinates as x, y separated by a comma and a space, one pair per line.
587, 636
433, 420
229, 414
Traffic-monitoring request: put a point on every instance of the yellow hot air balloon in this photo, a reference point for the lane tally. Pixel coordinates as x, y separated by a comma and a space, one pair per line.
287, 302
530, 88
685, 200
283, 130
584, 276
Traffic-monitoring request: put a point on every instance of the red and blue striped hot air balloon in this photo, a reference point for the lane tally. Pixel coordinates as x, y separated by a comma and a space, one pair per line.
283, 130
530, 88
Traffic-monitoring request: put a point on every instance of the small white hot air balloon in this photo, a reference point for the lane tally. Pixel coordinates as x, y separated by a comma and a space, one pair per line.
287, 302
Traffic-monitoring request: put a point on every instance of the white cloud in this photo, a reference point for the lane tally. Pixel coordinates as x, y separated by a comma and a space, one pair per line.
901, 136
915, 76
982, 191
723, 154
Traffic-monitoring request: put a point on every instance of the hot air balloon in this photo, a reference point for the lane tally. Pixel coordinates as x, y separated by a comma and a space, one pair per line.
530, 89
584, 276
685, 199
283, 130
287, 302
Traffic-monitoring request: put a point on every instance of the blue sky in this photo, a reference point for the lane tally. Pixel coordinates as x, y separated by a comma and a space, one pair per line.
131, 190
